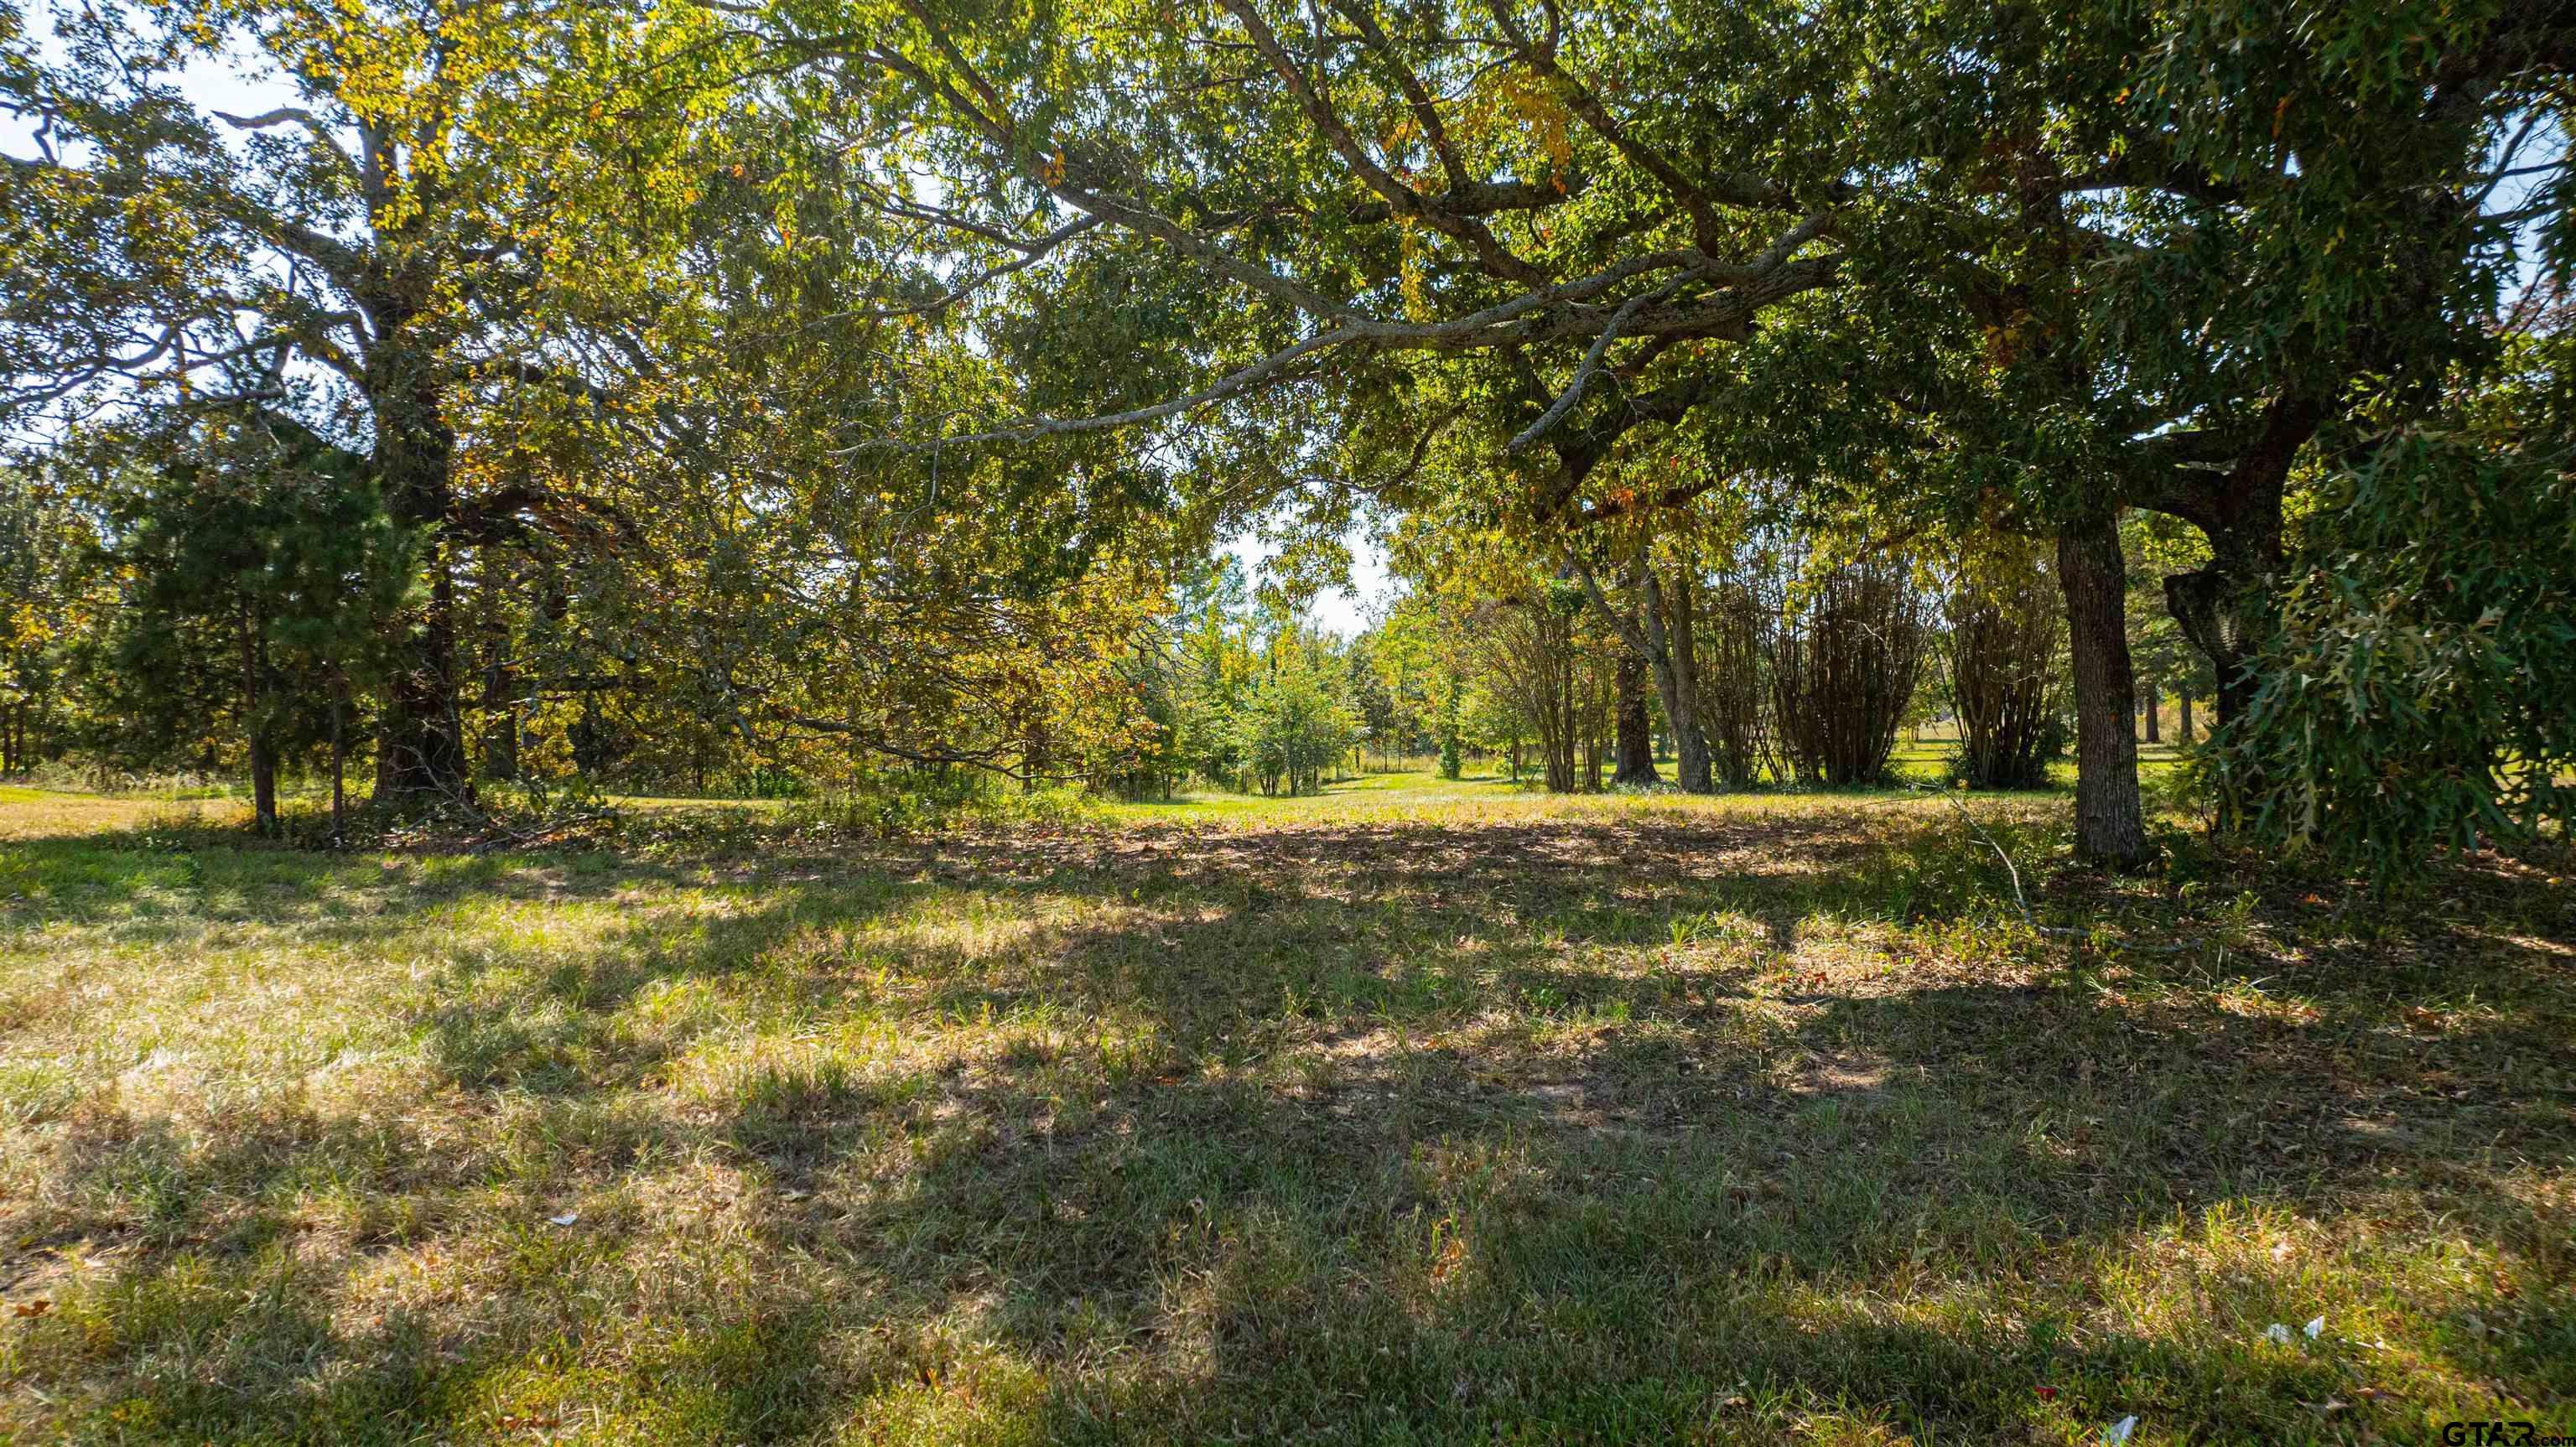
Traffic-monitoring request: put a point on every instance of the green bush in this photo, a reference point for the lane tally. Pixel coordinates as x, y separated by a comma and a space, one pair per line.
2419, 687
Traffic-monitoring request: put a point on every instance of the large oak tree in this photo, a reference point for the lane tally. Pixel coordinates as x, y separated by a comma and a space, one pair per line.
390, 227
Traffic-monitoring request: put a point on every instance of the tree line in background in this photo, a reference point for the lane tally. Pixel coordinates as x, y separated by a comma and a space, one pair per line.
216, 611
857, 394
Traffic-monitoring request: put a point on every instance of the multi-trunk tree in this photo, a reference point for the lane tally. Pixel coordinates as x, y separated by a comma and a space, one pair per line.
2004, 643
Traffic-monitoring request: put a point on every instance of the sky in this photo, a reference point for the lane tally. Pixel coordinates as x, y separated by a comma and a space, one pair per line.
1337, 610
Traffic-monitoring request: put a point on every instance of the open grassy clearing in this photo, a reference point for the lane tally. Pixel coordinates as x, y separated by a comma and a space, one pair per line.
1414, 1113
1486, 791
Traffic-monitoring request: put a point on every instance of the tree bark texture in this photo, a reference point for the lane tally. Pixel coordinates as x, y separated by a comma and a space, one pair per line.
1636, 749
2110, 825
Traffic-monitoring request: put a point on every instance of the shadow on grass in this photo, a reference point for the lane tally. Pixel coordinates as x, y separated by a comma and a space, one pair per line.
1561, 1131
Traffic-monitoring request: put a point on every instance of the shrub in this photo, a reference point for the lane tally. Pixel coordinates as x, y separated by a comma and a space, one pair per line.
2419, 686
1843, 664
2006, 638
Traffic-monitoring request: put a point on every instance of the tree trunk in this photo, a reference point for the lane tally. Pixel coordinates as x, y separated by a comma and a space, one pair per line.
263, 758
339, 765
1037, 757
1636, 748
501, 747
2220, 615
420, 747
498, 709
1670, 654
1556, 717
2110, 825
2225, 608
501, 723
2182, 701
263, 784
1695, 769
2152, 702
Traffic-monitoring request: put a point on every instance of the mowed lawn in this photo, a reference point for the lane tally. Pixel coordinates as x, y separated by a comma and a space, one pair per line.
1423, 1112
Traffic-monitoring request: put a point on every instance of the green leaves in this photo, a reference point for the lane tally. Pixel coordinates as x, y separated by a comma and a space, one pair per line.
2420, 689
256, 568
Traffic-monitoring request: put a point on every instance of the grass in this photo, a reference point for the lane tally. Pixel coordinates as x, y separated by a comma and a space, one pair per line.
1412, 1113
1488, 792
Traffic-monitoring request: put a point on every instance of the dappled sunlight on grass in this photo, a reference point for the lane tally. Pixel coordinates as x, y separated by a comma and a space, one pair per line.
1614, 1119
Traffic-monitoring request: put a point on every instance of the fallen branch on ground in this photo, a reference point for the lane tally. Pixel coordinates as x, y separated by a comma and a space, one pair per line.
507, 837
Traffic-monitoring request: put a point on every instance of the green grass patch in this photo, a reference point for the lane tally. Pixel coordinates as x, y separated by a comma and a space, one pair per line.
1415, 1112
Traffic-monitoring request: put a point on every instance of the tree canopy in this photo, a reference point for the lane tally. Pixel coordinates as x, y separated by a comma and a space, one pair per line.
742, 384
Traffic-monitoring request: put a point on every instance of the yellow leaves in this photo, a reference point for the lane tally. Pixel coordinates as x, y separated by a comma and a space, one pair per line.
2003, 343
1410, 276
28, 627
1051, 170
1518, 110
1550, 124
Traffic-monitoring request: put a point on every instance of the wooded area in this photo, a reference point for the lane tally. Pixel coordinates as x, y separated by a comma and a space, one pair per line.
1977, 484
704, 394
